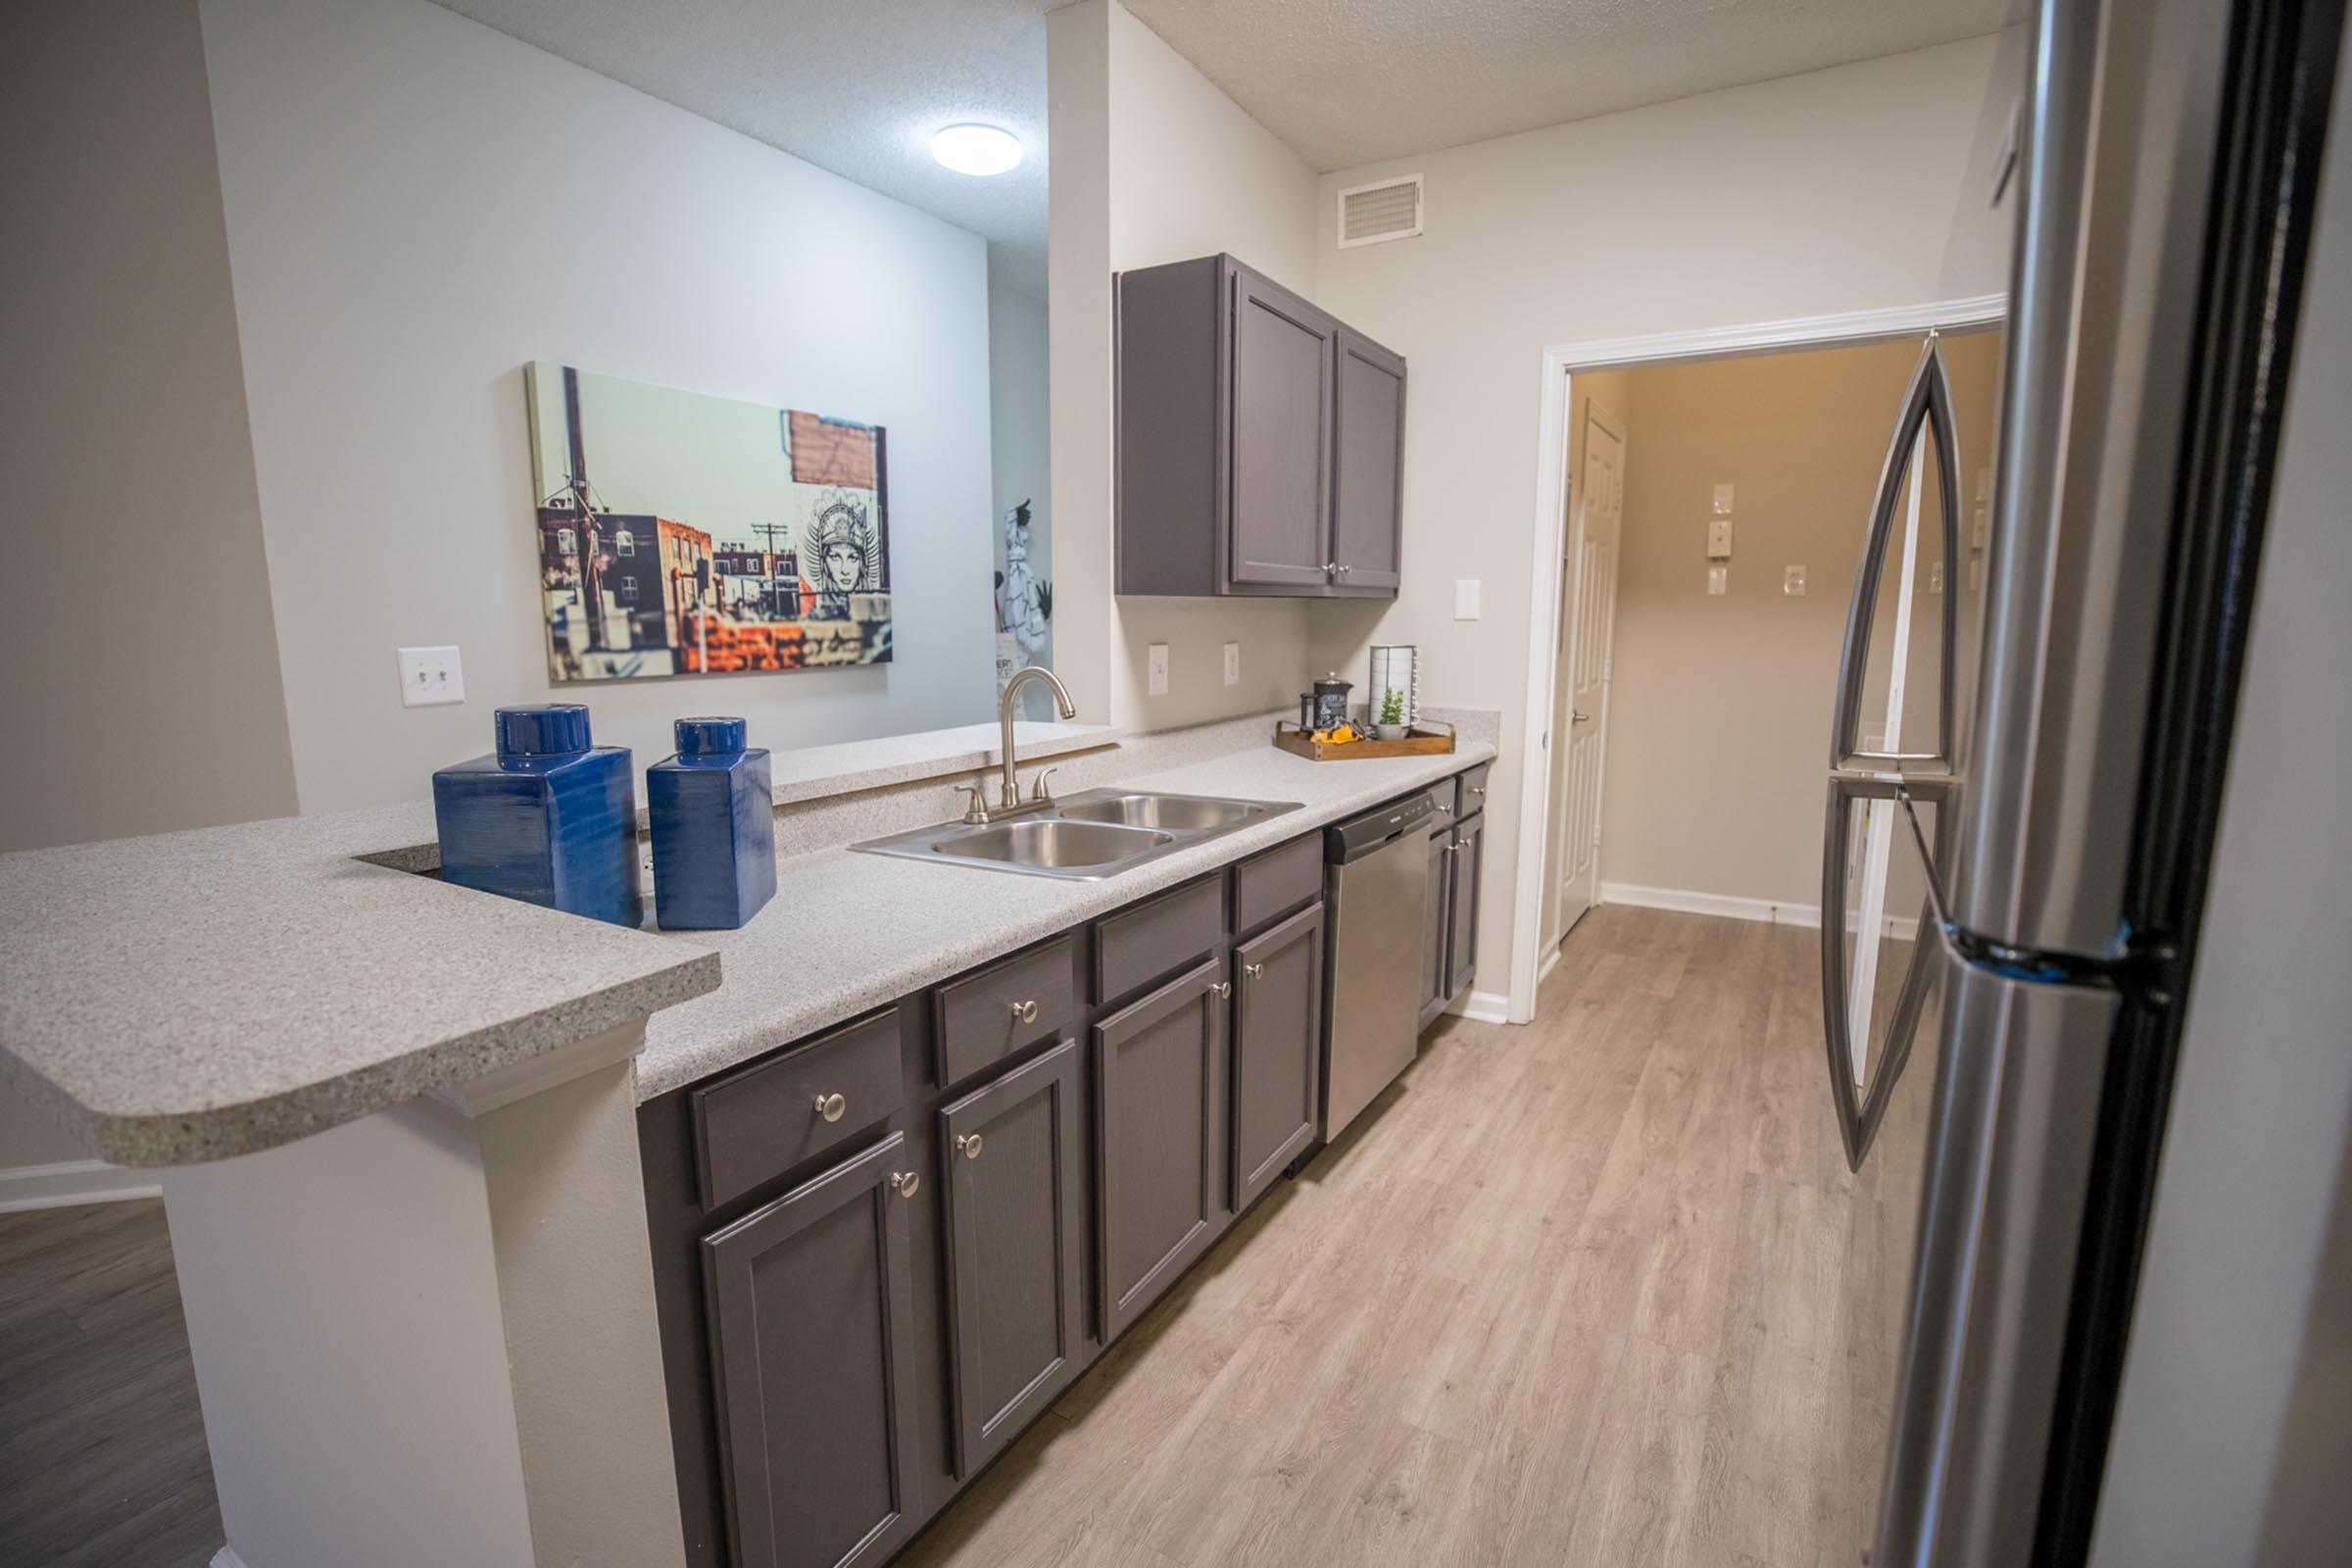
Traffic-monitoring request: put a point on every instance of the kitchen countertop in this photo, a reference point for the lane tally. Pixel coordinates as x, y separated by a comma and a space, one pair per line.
847, 931
190, 996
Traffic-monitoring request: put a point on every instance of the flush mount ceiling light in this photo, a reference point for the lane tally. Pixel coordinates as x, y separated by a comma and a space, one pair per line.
976, 149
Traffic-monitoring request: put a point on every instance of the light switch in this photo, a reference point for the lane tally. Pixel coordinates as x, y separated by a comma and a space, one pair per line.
1935, 578
1718, 579
1723, 501
1792, 582
1233, 664
1719, 538
1465, 599
430, 677
1158, 669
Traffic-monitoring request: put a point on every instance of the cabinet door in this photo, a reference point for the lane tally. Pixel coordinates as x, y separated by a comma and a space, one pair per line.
1012, 1196
1469, 845
1159, 1102
813, 1352
1280, 477
1277, 1036
1437, 964
1368, 468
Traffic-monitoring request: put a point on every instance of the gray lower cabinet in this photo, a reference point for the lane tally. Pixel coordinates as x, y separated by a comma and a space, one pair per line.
1012, 1197
1461, 939
1437, 965
1159, 1097
1277, 1029
810, 1305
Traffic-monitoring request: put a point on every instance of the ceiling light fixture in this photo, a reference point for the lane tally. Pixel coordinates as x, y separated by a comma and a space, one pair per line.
973, 149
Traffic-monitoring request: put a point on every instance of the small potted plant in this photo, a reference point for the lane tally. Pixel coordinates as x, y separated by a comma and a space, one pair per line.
1391, 726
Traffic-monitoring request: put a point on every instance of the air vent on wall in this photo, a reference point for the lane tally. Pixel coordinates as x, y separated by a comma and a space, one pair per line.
1388, 209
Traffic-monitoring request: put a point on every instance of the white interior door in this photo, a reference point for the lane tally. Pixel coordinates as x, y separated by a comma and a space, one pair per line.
1581, 729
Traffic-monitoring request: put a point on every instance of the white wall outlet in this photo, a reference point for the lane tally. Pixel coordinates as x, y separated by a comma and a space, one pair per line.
1935, 578
430, 676
1465, 599
1718, 579
1792, 582
1158, 671
1723, 501
1233, 664
1719, 538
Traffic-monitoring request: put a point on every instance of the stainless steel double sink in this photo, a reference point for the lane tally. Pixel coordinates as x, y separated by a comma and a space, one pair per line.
1098, 834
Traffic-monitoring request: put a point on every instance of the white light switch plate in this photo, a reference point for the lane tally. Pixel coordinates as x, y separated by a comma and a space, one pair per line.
1723, 501
1465, 599
1233, 664
1718, 579
430, 677
1792, 582
1158, 669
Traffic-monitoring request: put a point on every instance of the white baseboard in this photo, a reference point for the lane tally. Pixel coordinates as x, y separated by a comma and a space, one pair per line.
1551, 961
1482, 1006
73, 1181
1903, 929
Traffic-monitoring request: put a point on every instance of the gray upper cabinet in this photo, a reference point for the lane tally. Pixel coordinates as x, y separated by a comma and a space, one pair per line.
810, 1302
1013, 1249
1277, 1036
1160, 1133
1260, 440
1368, 465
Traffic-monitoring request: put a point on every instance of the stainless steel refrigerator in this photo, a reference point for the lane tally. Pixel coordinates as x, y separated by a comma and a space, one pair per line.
2031, 731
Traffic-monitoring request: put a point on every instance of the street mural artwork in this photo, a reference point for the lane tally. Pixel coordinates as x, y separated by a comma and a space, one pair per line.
682, 534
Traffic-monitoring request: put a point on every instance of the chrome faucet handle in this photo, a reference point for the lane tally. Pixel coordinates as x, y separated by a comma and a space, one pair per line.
976, 812
1037, 788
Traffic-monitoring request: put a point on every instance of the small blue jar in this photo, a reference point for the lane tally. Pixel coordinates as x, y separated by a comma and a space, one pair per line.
714, 809
548, 818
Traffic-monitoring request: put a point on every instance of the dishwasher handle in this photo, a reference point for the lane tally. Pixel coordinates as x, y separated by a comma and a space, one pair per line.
1351, 841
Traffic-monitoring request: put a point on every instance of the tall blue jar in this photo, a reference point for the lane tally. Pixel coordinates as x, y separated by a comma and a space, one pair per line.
548, 817
714, 809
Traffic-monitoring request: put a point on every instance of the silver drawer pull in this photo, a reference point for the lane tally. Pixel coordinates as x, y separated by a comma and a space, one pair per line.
906, 1183
830, 1107
1223, 988
1025, 1011
1478, 790
969, 1142
1255, 971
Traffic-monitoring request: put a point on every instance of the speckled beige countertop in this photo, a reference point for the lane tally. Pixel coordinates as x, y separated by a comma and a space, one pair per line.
190, 996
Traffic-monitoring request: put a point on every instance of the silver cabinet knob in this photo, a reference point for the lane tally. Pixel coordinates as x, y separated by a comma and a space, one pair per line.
1223, 988
1331, 569
830, 1107
1025, 1011
1346, 569
1255, 971
969, 1142
1478, 790
906, 1183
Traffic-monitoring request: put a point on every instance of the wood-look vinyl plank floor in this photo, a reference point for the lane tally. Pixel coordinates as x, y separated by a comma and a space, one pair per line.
1595, 1291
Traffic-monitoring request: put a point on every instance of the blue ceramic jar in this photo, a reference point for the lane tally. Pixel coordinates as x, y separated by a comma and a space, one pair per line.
714, 809
548, 817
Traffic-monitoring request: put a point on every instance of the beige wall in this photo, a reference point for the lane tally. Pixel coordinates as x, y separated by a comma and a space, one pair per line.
1153, 164
1719, 707
1840, 190
143, 689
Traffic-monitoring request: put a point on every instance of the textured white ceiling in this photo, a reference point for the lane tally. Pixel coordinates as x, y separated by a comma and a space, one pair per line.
1351, 81
857, 87
854, 86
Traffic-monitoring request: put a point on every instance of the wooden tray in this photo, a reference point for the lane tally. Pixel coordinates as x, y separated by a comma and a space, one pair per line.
1429, 738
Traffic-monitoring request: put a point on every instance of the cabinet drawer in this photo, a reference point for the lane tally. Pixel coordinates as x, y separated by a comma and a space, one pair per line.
1277, 882
763, 1120
1470, 792
987, 1017
1158, 938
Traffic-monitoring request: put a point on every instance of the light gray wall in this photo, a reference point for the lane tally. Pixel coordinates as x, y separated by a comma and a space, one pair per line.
418, 207
142, 670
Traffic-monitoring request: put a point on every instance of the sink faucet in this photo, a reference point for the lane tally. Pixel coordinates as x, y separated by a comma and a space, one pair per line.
1008, 787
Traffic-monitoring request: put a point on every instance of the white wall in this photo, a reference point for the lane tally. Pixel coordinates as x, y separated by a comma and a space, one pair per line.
1844, 189
1153, 164
418, 207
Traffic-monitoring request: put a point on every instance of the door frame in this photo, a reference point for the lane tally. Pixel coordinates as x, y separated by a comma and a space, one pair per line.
1561, 363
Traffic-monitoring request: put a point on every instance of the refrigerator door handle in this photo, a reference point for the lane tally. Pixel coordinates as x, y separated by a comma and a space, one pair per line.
1862, 1107
1927, 403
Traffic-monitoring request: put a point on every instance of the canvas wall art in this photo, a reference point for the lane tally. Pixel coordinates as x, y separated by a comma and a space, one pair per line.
683, 534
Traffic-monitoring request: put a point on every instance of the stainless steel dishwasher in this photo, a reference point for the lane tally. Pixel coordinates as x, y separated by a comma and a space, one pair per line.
1375, 892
